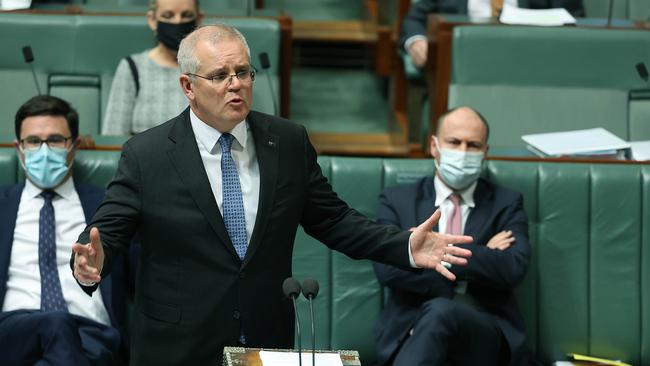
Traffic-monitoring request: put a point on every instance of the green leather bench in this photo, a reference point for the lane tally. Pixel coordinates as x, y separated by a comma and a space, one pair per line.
588, 286
76, 56
539, 79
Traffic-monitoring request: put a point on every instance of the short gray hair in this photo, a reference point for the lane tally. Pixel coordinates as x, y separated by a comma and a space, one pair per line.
188, 63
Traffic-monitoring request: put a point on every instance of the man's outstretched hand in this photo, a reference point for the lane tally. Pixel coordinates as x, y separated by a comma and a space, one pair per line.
89, 259
430, 249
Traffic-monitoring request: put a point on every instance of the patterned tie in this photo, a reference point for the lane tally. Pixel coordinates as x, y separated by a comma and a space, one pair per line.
233, 203
51, 294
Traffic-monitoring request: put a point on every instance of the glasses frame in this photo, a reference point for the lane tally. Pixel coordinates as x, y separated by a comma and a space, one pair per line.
214, 80
47, 141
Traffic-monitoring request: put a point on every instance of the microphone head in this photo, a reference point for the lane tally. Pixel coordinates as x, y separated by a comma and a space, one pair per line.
27, 54
291, 288
643, 72
264, 60
310, 288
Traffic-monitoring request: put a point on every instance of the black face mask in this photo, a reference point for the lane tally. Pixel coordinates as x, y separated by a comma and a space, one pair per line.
171, 34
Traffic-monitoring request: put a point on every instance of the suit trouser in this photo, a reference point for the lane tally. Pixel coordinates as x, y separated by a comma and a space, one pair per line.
450, 332
33, 337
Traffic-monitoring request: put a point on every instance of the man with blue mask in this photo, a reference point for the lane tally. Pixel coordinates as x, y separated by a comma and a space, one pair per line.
46, 318
474, 321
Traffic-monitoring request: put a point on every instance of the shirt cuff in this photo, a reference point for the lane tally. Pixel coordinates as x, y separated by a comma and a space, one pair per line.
411, 261
409, 41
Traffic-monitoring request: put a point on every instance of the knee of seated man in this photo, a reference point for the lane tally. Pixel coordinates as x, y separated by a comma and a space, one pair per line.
439, 309
58, 322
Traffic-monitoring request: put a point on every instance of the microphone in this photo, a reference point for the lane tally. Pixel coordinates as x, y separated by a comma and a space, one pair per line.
291, 289
310, 290
29, 58
643, 72
266, 65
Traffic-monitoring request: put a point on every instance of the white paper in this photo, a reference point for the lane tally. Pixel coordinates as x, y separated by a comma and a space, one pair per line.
640, 150
594, 140
541, 17
15, 4
274, 358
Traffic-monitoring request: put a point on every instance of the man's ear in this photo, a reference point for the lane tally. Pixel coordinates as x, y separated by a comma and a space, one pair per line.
187, 86
433, 147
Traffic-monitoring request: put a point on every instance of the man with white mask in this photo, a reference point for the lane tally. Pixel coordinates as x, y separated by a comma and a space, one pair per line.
46, 318
474, 321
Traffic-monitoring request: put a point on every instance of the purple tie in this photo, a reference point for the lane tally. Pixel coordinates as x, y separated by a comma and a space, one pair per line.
454, 223
51, 294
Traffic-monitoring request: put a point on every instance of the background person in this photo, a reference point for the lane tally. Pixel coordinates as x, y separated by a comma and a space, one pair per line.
145, 92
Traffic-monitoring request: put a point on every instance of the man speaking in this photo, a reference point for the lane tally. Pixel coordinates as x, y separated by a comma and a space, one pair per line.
216, 196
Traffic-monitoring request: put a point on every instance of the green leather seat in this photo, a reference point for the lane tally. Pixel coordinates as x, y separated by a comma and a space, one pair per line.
76, 57
535, 79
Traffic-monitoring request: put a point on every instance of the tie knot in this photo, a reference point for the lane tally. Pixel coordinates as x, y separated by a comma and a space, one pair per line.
226, 141
455, 199
48, 195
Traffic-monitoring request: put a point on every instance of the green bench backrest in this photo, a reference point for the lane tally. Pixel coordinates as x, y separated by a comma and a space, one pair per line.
588, 285
535, 79
621, 9
76, 56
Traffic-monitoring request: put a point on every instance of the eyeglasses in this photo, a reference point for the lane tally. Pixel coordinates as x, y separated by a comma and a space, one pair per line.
245, 76
55, 141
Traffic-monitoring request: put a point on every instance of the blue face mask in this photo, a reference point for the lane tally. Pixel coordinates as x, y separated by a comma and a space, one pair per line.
459, 169
46, 167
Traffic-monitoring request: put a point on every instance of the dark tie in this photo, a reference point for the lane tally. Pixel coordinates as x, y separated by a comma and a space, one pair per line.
51, 294
233, 203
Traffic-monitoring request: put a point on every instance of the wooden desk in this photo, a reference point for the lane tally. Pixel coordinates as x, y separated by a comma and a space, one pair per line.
239, 356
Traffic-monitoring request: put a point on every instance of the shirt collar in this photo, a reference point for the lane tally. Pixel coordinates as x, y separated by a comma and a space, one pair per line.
65, 190
208, 136
443, 192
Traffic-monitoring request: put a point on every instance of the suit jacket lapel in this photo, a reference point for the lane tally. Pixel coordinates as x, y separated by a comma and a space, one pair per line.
186, 159
426, 204
267, 147
9, 202
482, 207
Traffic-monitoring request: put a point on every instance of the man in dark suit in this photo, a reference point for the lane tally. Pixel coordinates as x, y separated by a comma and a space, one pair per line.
216, 195
475, 321
46, 318
414, 25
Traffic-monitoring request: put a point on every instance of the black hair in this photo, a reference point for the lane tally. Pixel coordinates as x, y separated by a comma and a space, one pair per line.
480, 116
47, 105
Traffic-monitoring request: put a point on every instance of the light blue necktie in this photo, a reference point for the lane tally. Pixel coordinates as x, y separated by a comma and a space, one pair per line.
233, 203
51, 294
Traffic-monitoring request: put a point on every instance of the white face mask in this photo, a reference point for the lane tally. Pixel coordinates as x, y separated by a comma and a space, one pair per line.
459, 169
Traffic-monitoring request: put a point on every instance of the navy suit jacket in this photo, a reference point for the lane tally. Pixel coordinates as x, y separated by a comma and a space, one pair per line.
491, 274
113, 288
415, 22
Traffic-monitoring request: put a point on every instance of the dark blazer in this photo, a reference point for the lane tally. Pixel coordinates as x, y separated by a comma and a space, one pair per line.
492, 274
415, 21
193, 294
114, 288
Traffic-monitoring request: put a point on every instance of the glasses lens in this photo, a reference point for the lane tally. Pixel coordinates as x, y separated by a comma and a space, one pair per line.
31, 143
56, 141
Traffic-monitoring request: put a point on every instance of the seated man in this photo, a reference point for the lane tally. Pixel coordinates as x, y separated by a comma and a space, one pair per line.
413, 37
430, 321
46, 318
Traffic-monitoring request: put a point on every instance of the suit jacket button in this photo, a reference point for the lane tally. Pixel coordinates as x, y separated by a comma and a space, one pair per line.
235, 314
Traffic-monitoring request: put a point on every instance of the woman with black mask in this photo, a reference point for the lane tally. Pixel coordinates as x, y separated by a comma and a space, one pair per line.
145, 88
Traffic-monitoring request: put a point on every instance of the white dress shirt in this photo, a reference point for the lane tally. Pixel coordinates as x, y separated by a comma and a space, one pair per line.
243, 153
446, 205
24, 281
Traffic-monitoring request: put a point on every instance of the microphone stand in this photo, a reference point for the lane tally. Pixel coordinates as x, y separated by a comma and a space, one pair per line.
295, 309
313, 331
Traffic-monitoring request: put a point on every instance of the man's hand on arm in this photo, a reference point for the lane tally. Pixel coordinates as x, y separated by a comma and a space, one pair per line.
430, 249
89, 259
502, 240
418, 51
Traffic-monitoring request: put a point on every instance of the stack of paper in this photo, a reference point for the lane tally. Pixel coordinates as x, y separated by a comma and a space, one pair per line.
14, 4
542, 17
592, 142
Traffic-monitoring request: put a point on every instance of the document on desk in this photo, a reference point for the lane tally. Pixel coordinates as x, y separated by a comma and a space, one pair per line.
596, 141
276, 358
640, 150
541, 17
